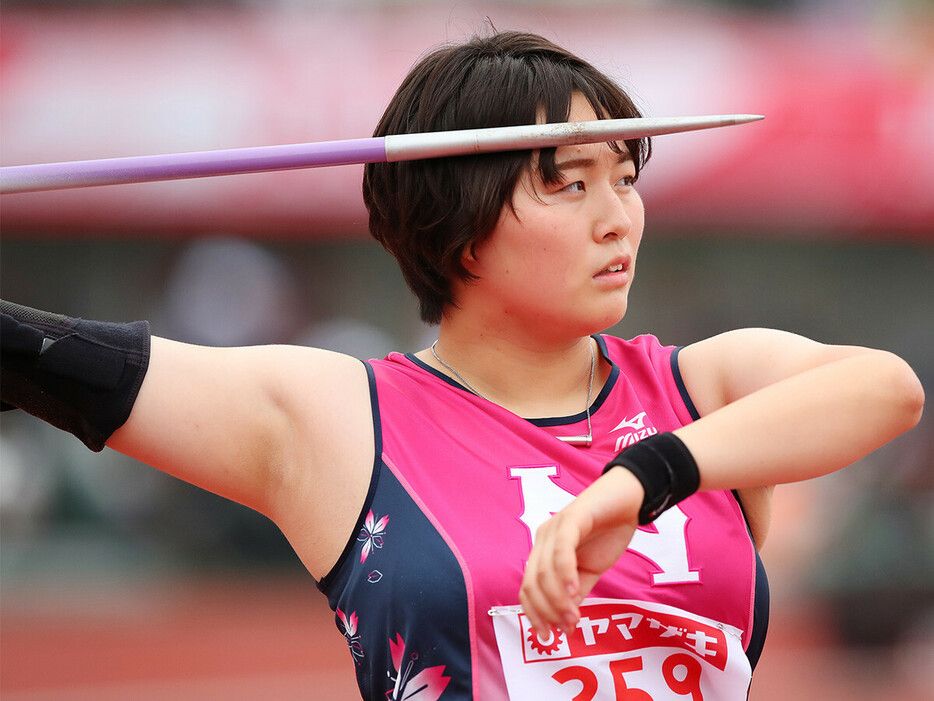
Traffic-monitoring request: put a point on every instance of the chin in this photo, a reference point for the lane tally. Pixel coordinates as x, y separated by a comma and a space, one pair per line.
582, 320
600, 323
614, 316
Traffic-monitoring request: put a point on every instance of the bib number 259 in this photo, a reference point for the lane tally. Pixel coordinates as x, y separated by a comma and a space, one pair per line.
681, 673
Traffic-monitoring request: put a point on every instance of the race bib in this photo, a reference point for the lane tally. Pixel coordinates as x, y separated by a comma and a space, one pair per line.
623, 651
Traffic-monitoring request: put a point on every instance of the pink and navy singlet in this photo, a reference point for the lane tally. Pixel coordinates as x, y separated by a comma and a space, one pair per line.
426, 591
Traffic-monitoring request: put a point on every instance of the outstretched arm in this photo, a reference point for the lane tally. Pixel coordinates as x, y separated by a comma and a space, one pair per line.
238, 421
286, 431
775, 408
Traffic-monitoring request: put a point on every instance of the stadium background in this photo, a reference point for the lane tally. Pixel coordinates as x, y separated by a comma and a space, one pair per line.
119, 582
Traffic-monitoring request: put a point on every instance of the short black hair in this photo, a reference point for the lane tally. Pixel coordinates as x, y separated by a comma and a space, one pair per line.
427, 212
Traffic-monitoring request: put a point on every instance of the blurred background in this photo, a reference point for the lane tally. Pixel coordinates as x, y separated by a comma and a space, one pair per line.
117, 581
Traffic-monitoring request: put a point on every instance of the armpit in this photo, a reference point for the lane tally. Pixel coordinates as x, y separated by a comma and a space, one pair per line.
757, 507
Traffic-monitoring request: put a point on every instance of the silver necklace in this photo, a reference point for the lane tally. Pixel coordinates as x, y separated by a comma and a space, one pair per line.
583, 440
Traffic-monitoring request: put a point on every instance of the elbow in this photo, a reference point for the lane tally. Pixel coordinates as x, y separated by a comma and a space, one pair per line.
916, 401
906, 391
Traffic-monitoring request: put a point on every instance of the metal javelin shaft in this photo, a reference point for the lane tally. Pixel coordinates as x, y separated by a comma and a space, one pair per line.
399, 147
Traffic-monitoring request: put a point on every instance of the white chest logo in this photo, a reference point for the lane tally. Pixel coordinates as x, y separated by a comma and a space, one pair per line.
666, 547
635, 423
636, 431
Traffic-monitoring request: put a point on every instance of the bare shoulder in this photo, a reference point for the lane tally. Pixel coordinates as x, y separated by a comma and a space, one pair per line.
315, 380
329, 464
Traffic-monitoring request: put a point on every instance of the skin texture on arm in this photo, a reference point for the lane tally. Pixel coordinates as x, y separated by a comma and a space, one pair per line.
775, 408
286, 431
804, 409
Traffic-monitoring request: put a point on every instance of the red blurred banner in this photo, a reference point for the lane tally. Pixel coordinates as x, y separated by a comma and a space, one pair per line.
846, 149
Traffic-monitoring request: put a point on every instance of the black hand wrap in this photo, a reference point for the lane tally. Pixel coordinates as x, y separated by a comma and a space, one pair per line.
80, 376
666, 469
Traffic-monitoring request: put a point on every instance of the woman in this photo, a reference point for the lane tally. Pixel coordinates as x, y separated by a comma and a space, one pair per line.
413, 488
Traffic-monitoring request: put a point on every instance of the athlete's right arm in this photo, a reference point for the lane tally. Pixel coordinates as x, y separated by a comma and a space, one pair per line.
284, 430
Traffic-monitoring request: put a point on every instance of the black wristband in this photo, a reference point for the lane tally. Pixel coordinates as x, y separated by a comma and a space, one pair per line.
80, 376
666, 469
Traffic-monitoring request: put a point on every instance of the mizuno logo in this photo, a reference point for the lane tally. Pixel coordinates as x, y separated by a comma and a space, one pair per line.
635, 423
637, 430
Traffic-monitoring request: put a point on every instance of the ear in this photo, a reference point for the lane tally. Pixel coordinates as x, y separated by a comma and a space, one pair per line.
469, 258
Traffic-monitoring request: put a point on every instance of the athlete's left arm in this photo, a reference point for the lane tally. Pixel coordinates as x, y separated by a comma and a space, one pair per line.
780, 408
821, 407
774, 407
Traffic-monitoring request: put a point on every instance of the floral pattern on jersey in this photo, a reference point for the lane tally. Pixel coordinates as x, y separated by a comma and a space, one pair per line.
371, 535
348, 625
426, 684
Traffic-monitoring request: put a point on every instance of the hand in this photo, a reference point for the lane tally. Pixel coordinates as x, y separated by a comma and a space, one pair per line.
576, 546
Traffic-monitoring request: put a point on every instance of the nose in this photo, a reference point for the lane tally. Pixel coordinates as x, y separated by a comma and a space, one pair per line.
615, 213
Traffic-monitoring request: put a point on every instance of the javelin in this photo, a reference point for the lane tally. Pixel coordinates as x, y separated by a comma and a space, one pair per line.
395, 147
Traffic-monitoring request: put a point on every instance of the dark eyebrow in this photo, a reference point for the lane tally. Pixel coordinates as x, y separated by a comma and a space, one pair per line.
588, 162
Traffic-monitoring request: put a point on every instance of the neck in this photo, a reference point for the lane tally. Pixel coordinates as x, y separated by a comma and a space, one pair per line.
533, 380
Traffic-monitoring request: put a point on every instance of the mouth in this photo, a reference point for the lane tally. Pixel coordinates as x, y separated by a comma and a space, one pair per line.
617, 266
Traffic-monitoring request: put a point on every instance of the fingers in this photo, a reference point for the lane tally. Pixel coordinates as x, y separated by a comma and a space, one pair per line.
575, 547
550, 591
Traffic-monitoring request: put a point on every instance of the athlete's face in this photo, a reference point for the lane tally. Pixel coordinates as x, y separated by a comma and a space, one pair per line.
561, 261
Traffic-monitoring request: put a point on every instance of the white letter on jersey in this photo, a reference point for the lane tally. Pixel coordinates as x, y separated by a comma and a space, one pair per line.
666, 547
541, 497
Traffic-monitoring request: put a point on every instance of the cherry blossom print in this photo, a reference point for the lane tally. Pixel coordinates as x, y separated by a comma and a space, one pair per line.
371, 535
412, 683
349, 629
